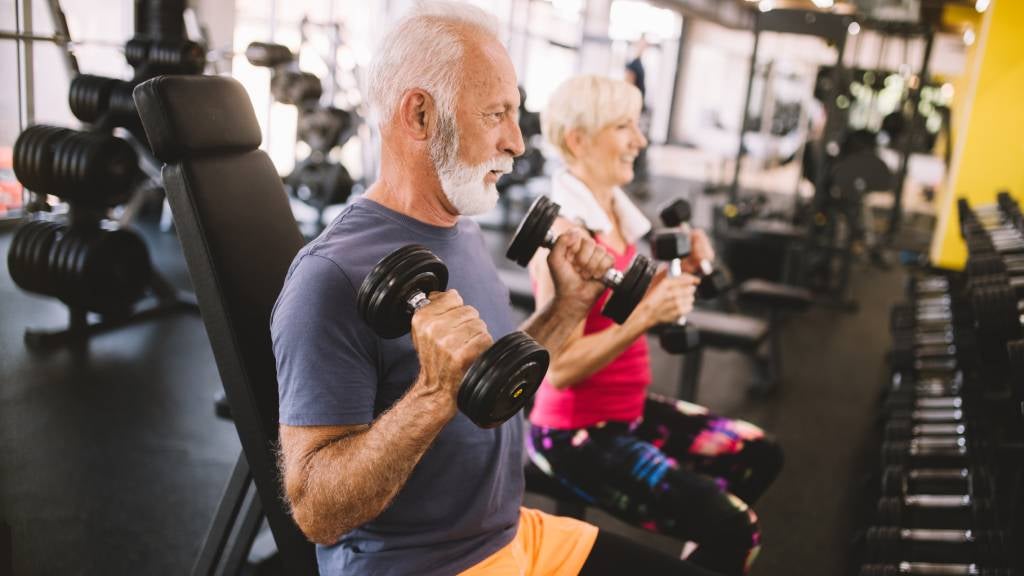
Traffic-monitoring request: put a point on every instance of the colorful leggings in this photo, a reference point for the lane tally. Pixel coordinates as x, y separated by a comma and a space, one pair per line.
679, 470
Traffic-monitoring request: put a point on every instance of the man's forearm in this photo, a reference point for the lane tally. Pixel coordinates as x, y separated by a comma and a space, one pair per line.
351, 480
552, 325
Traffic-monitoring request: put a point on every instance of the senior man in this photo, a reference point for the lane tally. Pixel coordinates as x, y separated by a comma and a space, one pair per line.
379, 467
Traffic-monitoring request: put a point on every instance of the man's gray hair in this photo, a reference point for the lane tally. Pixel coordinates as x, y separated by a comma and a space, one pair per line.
424, 50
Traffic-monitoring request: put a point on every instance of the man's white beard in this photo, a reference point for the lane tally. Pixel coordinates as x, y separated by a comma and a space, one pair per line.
463, 184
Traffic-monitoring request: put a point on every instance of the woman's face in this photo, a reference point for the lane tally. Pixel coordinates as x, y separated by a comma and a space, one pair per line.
606, 157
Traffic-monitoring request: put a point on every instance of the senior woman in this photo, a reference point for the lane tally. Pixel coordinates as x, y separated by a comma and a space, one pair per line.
667, 466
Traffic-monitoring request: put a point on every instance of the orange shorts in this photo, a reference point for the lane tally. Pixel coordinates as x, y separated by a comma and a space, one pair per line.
545, 545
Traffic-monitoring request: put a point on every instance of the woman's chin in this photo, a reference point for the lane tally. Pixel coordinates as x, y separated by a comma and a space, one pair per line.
625, 177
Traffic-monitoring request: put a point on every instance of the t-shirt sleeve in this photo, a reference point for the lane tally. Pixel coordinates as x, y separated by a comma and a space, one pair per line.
326, 355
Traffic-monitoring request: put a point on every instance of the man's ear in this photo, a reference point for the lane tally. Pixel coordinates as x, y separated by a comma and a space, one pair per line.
416, 114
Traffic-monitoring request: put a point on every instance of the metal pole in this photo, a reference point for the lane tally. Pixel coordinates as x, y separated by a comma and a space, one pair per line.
61, 23
29, 70
915, 100
680, 54
734, 192
830, 136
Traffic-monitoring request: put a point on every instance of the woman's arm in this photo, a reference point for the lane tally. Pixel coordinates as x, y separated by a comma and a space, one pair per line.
581, 356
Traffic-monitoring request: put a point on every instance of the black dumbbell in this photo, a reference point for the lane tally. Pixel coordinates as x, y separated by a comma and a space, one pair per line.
98, 169
1015, 353
997, 309
935, 511
93, 99
268, 55
898, 481
928, 450
714, 282
932, 569
927, 286
499, 382
906, 385
671, 246
628, 287
927, 415
165, 56
898, 544
896, 430
907, 354
103, 271
897, 403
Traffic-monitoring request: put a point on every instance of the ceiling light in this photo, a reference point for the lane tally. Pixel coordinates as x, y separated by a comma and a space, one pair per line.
969, 37
981, 5
823, 3
766, 5
854, 28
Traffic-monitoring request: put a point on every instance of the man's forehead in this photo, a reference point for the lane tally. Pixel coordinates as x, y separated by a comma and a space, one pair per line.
489, 72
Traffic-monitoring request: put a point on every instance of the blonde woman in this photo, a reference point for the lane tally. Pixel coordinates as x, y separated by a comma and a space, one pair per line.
668, 466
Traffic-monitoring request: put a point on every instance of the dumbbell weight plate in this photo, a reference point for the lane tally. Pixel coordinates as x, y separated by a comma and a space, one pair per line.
382, 298
676, 339
897, 544
116, 270
713, 285
532, 230
631, 290
33, 154
898, 481
38, 274
77, 291
15, 260
60, 281
500, 382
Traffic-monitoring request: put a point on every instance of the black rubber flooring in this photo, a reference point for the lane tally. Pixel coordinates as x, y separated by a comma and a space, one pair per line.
112, 461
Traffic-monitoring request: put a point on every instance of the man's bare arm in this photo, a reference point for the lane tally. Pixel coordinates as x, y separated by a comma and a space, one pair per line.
574, 265
337, 478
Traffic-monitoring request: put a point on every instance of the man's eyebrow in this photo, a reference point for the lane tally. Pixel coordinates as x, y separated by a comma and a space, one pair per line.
506, 106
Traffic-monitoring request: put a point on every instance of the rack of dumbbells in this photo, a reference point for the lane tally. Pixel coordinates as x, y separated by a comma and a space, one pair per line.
951, 472
92, 263
317, 180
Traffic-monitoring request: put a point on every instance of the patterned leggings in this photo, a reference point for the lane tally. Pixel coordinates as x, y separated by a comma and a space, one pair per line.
679, 471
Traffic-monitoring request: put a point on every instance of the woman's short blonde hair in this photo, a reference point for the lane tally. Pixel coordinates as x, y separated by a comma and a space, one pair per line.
587, 103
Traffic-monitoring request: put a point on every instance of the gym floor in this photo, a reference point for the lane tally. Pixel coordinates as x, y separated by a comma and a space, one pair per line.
112, 461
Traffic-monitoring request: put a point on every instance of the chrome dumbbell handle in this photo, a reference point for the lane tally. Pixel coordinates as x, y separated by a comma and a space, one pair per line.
675, 270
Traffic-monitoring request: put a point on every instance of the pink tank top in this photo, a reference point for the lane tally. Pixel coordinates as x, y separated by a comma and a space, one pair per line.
613, 393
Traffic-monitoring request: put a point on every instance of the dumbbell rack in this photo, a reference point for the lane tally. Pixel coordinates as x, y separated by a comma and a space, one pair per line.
951, 487
89, 262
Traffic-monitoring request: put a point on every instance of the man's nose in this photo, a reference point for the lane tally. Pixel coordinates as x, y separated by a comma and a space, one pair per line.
512, 141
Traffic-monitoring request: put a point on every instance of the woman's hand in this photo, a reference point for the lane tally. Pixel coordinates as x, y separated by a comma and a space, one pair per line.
667, 299
700, 249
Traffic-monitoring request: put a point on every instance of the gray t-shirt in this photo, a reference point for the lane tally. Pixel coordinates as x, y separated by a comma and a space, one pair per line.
461, 503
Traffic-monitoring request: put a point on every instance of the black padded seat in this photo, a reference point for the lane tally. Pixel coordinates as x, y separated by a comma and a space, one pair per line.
238, 237
725, 330
774, 295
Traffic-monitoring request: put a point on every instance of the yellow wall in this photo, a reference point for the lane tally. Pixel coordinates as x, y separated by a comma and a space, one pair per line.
989, 149
957, 17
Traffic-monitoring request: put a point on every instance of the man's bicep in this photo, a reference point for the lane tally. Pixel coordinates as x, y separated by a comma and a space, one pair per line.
326, 356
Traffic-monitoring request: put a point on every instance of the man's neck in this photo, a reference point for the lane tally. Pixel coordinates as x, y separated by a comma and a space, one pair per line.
412, 191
